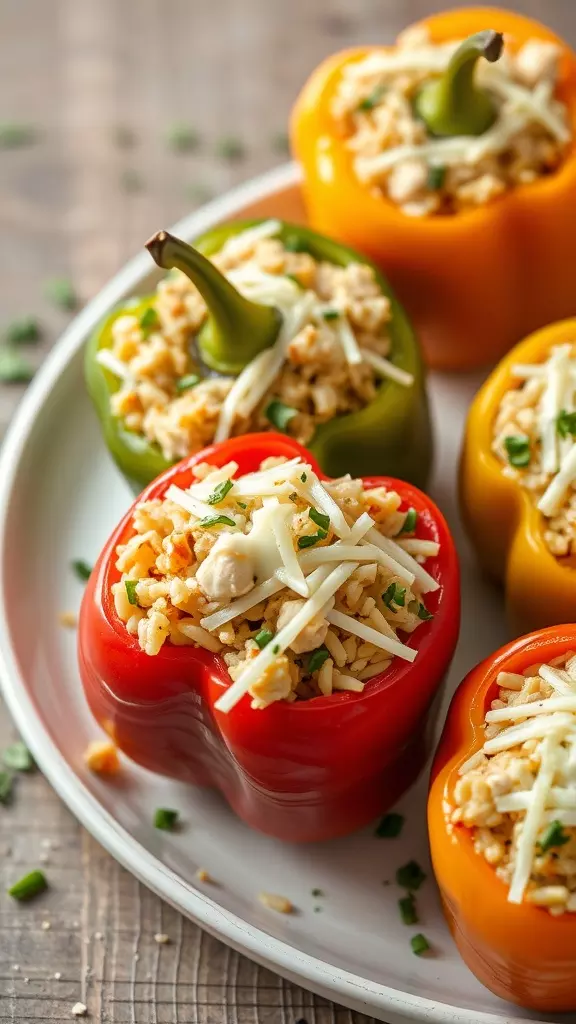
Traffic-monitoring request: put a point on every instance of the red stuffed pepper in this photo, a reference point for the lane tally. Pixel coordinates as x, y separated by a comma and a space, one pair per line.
242, 650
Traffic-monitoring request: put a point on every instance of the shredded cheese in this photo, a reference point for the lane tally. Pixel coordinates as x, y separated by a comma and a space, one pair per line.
372, 636
426, 581
387, 369
186, 501
554, 493
532, 820
109, 361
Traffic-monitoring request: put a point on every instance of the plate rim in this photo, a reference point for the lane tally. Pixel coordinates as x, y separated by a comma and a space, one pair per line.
315, 974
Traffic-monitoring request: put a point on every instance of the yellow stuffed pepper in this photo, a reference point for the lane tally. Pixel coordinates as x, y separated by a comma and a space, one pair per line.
449, 159
518, 477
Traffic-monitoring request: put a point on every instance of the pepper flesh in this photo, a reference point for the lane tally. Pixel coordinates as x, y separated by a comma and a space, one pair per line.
304, 771
454, 104
500, 516
516, 274
391, 434
519, 951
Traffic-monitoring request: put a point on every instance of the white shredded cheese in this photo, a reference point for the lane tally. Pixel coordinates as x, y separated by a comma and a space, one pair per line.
533, 729
554, 493
371, 635
426, 581
532, 821
109, 361
186, 501
347, 339
387, 369
551, 405
541, 707
238, 244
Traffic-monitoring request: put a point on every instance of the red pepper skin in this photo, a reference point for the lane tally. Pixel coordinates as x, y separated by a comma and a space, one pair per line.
301, 772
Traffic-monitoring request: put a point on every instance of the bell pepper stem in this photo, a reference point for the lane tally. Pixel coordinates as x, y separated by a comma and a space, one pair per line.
237, 329
454, 104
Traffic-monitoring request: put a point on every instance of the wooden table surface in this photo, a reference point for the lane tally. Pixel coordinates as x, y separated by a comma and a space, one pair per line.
80, 71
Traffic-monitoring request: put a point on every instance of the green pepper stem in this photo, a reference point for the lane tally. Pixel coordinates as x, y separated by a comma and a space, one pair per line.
237, 329
453, 104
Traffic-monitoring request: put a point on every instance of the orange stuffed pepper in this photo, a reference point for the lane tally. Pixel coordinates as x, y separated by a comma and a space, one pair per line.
449, 159
518, 477
502, 820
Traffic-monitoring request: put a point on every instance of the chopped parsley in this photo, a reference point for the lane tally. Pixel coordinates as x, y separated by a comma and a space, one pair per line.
216, 520
190, 380
182, 138
394, 594
220, 492
390, 827
13, 368
242, 504
28, 886
410, 876
165, 818
276, 649
319, 518
18, 757
330, 314
6, 781
317, 893
419, 609
410, 521
419, 944
131, 590
231, 149
263, 638
304, 478
24, 331
13, 135
61, 292
82, 569
294, 243
316, 659
553, 835
293, 496
279, 414
149, 320
373, 99
408, 911
436, 177
566, 424
518, 450
311, 539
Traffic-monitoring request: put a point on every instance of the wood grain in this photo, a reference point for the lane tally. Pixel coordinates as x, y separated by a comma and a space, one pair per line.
78, 70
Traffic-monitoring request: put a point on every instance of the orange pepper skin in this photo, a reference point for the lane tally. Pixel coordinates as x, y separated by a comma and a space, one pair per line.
473, 282
521, 952
503, 523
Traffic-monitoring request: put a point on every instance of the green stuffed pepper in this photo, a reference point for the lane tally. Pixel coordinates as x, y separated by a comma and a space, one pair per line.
263, 325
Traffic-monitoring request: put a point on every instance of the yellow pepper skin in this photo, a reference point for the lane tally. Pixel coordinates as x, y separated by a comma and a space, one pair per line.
502, 521
476, 281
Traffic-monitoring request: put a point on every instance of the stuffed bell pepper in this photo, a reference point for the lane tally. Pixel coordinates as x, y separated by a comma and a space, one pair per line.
502, 820
257, 627
262, 326
518, 477
449, 159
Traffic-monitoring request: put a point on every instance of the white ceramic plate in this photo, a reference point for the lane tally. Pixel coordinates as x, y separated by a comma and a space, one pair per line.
60, 496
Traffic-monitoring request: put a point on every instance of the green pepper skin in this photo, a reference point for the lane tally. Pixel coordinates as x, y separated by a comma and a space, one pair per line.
391, 435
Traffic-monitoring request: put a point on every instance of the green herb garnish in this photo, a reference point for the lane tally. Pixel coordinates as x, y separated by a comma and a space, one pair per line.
190, 380
436, 177
419, 944
231, 149
295, 244
407, 907
131, 590
28, 886
263, 638
319, 518
316, 659
317, 893
279, 414
419, 609
18, 757
165, 819
242, 504
131, 181
304, 478
276, 649
410, 876
13, 368
373, 99
215, 520
308, 542
24, 331
390, 827
6, 781
553, 835
82, 569
330, 314
13, 135
518, 451
394, 594
182, 138
220, 492
293, 496
149, 320
410, 521
566, 424
61, 292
